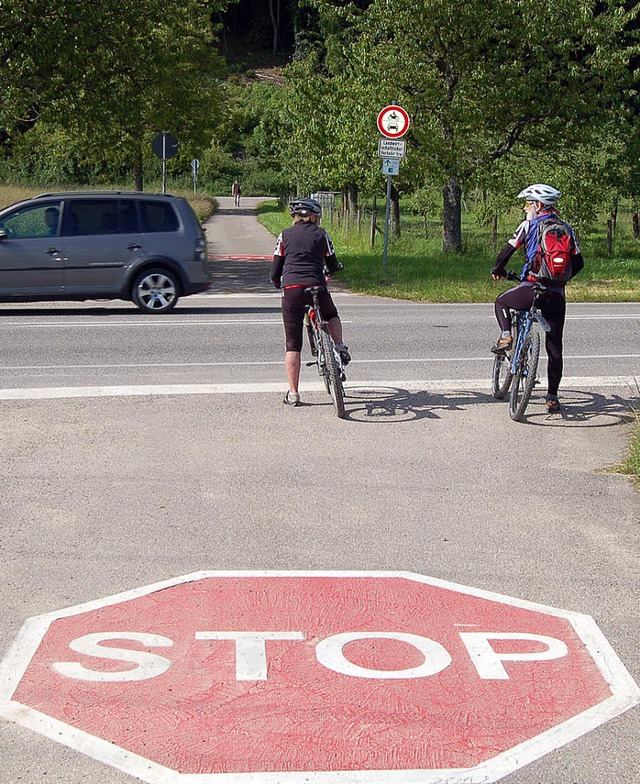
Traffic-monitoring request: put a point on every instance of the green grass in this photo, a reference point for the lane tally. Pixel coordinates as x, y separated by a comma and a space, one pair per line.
418, 270
631, 464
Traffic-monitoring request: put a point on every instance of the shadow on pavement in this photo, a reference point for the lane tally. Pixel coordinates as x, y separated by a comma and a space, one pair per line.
580, 409
246, 211
240, 277
583, 409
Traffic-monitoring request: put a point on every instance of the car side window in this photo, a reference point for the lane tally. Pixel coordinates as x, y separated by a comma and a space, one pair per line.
40, 220
102, 216
159, 216
127, 217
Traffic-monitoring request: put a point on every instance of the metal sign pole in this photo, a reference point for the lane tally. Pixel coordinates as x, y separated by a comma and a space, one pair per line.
165, 146
386, 224
195, 165
164, 161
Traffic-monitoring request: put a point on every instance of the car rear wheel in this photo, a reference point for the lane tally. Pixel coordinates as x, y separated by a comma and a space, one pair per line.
155, 291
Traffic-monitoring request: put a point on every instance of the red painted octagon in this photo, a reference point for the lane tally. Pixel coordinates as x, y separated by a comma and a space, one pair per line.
224, 676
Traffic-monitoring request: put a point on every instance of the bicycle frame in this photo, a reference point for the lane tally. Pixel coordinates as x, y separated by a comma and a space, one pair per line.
524, 324
315, 322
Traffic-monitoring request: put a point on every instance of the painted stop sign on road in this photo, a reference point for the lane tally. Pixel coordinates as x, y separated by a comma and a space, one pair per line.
372, 677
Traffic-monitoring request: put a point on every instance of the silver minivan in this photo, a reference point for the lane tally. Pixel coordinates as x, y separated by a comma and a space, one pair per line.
148, 248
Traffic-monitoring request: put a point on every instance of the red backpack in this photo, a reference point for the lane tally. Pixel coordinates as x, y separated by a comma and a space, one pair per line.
553, 259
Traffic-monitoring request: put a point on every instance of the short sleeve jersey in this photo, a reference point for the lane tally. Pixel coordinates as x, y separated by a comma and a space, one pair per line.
304, 247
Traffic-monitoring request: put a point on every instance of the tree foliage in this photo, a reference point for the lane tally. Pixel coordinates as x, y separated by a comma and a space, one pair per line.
482, 80
500, 92
110, 72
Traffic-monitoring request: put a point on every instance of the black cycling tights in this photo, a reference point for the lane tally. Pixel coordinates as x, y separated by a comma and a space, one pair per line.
554, 307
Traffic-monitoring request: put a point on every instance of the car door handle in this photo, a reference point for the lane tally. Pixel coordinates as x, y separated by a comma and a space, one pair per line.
133, 246
53, 252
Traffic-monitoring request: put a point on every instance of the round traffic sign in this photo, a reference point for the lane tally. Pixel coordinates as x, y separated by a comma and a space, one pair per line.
297, 676
393, 122
164, 145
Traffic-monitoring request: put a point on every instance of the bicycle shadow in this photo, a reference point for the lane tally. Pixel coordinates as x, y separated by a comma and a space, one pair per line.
394, 404
583, 409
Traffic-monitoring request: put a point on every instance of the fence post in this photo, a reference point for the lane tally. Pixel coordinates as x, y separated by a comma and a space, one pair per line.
372, 238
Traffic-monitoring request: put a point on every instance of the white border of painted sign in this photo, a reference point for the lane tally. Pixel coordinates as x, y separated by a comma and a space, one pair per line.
625, 695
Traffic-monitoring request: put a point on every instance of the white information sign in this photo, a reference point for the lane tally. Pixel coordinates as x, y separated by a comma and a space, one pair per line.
392, 148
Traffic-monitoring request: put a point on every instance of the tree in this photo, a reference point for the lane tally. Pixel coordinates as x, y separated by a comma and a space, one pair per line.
482, 78
111, 72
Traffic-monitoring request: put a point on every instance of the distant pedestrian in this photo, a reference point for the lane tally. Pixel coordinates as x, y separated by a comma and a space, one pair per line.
236, 192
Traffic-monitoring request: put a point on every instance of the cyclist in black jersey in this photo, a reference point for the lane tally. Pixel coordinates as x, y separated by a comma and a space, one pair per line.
301, 255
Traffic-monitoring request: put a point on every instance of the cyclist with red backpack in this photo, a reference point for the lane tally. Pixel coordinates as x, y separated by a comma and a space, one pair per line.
552, 257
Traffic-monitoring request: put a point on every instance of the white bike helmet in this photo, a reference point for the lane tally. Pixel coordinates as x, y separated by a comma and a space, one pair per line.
543, 193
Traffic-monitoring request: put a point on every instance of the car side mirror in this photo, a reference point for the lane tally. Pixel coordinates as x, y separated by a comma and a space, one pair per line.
3, 234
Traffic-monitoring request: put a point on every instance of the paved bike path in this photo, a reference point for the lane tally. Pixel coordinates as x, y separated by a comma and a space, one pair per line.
241, 249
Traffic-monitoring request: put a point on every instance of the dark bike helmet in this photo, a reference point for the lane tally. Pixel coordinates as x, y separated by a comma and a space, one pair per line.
304, 207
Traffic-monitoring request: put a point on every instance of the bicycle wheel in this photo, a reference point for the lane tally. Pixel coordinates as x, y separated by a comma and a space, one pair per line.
336, 389
501, 378
525, 376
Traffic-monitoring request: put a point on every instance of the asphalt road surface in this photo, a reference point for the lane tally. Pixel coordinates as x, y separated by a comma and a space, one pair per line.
136, 449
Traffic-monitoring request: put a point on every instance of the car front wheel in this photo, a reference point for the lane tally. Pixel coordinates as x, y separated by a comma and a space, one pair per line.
155, 291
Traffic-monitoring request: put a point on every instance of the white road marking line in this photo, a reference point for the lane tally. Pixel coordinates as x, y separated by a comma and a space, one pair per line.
146, 323
603, 317
489, 358
141, 365
50, 393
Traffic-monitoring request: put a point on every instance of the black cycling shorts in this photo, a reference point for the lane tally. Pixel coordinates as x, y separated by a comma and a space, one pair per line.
294, 306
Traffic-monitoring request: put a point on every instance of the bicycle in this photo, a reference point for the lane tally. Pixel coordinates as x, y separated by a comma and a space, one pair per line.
516, 370
323, 349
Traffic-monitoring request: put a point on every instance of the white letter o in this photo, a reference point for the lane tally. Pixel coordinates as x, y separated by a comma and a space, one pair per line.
329, 654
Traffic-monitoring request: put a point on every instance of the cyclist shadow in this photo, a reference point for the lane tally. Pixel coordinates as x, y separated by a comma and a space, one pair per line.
393, 404
582, 409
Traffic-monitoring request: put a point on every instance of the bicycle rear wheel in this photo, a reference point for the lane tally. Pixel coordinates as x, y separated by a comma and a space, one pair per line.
501, 378
525, 376
336, 390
